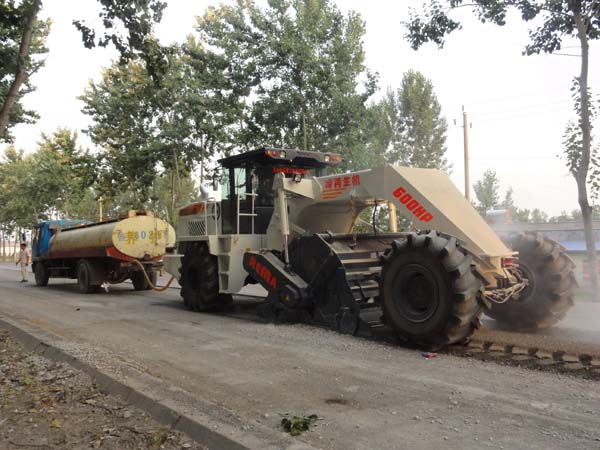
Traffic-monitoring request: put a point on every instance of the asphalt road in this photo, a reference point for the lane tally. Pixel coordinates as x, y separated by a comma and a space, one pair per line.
239, 376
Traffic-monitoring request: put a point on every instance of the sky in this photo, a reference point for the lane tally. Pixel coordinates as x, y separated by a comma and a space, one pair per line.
517, 106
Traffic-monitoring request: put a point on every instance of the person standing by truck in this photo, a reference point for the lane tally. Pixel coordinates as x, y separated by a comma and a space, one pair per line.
24, 260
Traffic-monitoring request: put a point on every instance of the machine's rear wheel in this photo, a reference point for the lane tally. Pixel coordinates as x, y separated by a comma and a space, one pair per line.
429, 292
200, 280
139, 280
41, 273
551, 284
84, 277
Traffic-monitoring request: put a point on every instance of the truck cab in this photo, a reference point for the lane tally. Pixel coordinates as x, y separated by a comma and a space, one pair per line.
43, 232
247, 184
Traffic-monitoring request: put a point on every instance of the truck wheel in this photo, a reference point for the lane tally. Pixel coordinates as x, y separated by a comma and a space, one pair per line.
84, 277
153, 275
41, 273
200, 280
139, 281
429, 292
552, 282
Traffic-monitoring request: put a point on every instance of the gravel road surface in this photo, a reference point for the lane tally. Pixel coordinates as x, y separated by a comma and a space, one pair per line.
239, 376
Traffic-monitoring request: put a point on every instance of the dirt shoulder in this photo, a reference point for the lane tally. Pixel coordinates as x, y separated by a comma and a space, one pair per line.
48, 405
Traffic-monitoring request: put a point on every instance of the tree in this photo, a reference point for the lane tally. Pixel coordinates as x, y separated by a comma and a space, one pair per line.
136, 18
65, 170
487, 192
145, 127
59, 165
555, 20
301, 62
538, 216
419, 138
22, 39
522, 216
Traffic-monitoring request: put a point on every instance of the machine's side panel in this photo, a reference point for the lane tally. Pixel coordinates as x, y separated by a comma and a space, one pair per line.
427, 197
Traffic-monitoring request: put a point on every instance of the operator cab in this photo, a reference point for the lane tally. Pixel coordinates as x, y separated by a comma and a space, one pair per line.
248, 182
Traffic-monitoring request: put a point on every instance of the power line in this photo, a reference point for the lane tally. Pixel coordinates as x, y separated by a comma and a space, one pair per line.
524, 114
521, 95
523, 108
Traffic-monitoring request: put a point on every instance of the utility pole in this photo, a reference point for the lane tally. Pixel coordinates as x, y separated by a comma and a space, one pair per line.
100, 207
466, 154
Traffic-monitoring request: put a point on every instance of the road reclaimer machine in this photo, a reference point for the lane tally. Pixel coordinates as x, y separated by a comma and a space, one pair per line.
285, 223
109, 251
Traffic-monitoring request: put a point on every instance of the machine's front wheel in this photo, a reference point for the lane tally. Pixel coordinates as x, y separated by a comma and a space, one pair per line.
41, 273
428, 290
200, 280
551, 277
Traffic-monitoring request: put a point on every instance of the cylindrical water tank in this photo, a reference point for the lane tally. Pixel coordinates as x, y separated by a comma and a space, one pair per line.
140, 237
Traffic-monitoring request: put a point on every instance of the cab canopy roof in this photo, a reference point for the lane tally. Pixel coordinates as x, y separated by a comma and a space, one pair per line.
279, 156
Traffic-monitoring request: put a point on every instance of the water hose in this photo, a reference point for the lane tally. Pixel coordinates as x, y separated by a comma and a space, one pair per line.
157, 289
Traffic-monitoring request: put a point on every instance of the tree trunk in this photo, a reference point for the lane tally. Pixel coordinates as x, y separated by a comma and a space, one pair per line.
21, 73
586, 144
590, 238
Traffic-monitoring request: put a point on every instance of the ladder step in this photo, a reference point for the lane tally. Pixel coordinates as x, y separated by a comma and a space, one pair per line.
357, 261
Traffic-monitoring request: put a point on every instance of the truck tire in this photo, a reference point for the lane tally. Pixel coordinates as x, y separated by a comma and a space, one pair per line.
200, 280
153, 275
429, 291
139, 280
41, 273
84, 277
552, 283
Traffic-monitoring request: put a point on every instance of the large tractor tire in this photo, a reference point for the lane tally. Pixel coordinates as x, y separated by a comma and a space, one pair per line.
429, 291
41, 273
552, 282
200, 280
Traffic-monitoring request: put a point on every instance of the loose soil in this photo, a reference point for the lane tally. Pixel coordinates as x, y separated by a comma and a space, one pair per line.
48, 405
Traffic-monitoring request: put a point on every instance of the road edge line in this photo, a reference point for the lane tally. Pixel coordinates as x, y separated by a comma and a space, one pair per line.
107, 384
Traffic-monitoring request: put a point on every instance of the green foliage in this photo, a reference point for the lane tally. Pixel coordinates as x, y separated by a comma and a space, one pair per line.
412, 130
300, 63
573, 143
13, 17
64, 170
296, 425
52, 181
164, 198
487, 192
128, 27
538, 216
553, 20
17, 208
144, 128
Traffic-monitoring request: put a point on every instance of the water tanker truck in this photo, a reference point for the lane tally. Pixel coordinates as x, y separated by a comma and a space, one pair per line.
284, 223
105, 252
